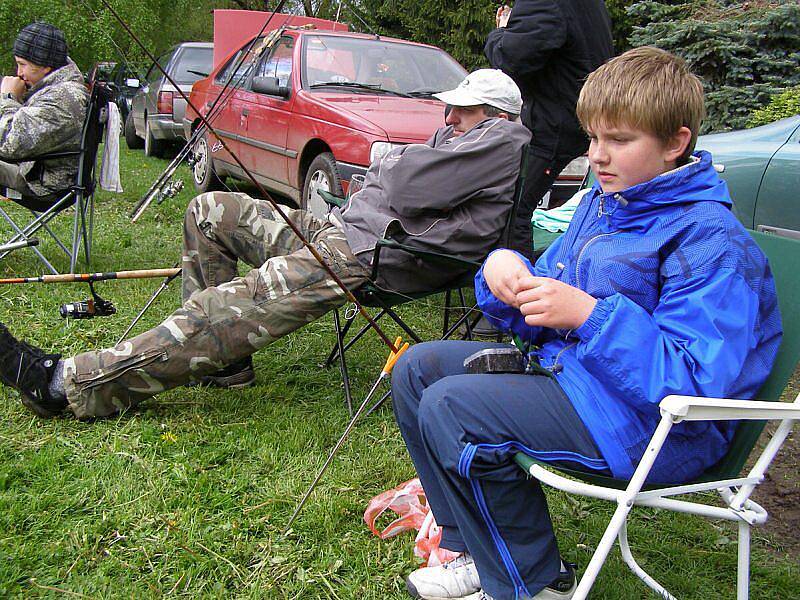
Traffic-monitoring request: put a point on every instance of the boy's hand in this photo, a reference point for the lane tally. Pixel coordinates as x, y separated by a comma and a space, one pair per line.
551, 303
503, 272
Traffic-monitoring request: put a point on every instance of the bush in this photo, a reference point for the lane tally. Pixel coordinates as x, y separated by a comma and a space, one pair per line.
745, 52
786, 104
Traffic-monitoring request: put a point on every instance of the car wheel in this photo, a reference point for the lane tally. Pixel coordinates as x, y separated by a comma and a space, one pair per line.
203, 174
322, 175
152, 146
134, 141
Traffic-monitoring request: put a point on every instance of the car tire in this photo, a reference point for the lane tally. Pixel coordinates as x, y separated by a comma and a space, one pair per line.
203, 174
134, 141
322, 174
152, 146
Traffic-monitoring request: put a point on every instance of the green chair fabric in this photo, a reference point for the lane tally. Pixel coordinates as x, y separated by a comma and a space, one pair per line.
783, 254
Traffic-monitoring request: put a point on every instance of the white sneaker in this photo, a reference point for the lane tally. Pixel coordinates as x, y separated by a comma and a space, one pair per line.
453, 580
563, 588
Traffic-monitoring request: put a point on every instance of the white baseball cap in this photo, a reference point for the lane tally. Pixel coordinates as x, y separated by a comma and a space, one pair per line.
485, 86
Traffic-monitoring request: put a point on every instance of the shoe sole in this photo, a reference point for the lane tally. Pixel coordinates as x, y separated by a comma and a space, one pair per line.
412, 591
38, 409
233, 382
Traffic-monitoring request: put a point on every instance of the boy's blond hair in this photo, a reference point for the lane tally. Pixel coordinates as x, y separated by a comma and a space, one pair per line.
646, 88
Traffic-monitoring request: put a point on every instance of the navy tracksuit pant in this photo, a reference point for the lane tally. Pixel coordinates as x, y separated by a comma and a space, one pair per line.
462, 431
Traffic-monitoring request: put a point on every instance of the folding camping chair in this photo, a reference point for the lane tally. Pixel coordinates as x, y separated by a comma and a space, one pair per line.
80, 195
724, 477
372, 295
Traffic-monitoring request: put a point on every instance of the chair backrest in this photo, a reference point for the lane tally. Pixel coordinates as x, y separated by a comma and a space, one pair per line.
505, 239
783, 254
91, 136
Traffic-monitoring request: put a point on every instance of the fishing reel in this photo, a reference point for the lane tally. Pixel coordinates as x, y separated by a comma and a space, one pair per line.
169, 190
89, 308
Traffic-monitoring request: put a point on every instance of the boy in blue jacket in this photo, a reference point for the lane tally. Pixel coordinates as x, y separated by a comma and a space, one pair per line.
654, 289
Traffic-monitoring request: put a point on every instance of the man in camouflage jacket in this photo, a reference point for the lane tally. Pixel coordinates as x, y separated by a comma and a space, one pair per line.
42, 110
462, 181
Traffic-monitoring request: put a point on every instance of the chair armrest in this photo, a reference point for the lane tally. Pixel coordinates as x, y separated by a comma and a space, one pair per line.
449, 259
331, 199
691, 408
446, 259
49, 156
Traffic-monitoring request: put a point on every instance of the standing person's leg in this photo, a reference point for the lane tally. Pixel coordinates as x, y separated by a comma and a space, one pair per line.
221, 228
542, 172
215, 327
470, 426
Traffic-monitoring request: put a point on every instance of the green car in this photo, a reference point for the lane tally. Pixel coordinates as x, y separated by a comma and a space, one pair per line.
762, 169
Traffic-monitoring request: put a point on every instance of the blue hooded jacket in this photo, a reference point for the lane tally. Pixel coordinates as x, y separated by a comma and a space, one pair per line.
686, 305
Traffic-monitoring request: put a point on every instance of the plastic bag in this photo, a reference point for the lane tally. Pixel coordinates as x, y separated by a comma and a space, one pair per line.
408, 501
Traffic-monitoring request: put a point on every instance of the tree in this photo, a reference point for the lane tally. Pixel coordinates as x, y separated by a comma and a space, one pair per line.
745, 52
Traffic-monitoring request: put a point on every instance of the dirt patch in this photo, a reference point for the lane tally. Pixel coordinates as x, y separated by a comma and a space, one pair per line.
780, 491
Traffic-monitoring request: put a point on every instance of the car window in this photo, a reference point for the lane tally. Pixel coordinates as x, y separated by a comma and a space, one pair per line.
392, 66
243, 67
279, 62
193, 63
154, 73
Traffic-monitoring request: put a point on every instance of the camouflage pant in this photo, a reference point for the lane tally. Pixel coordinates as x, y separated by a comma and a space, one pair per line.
224, 318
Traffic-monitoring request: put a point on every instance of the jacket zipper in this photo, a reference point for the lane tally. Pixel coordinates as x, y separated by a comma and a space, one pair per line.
580, 255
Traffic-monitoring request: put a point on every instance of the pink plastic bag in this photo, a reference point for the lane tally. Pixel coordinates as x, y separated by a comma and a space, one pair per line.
408, 501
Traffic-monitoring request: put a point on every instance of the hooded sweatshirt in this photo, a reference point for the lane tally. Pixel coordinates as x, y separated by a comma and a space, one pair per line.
686, 305
50, 119
451, 194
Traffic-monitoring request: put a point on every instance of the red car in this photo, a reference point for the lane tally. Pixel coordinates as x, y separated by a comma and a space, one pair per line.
316, 107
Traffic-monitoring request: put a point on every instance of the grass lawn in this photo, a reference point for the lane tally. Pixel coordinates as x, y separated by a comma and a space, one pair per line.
188, 494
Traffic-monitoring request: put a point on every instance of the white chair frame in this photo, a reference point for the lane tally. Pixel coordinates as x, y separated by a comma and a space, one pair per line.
734, 493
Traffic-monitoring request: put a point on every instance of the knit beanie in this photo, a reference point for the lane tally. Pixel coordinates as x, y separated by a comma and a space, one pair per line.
42, 44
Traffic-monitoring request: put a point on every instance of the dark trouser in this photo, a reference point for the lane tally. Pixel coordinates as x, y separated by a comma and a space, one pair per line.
462, 432
541, 174
10, 177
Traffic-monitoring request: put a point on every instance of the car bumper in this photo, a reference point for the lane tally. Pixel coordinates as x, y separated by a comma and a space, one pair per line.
347, 170
164, 128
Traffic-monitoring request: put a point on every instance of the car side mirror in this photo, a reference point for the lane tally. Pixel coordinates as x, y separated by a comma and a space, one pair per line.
269, 85
132, 82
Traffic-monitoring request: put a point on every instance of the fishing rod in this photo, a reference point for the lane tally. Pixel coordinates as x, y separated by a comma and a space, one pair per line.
96, 306
92, 277
387, 369
275, 206
162, 188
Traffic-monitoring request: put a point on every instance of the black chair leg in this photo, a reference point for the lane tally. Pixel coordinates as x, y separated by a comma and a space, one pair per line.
343, 361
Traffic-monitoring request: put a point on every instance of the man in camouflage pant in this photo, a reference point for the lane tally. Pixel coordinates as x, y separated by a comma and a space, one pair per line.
42, 110
225, 319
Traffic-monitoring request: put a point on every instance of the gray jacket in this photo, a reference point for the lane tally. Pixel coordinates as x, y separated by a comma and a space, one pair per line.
451, 194
50, 119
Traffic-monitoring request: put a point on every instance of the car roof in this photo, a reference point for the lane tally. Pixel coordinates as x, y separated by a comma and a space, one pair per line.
355, 34
194, 45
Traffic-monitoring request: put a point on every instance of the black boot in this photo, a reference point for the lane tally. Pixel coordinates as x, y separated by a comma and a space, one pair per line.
29, 370
238, 375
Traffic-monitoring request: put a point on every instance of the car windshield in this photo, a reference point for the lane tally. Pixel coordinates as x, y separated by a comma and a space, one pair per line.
374, 66
193, 64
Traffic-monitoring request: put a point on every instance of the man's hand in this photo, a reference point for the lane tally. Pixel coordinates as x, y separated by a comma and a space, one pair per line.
551, 303
503, 272
14, 85
502, 16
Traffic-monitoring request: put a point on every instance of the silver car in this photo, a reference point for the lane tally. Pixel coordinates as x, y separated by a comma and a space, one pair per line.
157, 109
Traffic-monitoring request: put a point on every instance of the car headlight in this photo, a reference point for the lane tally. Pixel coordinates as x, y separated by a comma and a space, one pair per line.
380, 149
